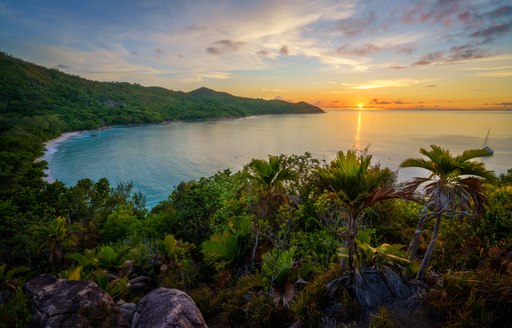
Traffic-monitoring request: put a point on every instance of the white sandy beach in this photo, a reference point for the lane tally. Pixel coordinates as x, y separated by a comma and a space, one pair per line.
51, 148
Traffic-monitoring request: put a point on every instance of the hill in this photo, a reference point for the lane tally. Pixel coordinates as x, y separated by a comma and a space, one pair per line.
75, 103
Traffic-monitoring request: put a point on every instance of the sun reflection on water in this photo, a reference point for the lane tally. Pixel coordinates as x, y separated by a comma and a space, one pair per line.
357, 138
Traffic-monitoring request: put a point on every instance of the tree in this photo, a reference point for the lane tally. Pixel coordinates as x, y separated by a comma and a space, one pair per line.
454, 187
54, 238
270, 178
358, 185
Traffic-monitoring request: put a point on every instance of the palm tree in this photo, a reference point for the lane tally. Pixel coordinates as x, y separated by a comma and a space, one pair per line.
54, 238
358, 185
270, 178
454, 187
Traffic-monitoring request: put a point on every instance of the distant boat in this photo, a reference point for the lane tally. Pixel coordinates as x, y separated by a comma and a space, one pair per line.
485, 147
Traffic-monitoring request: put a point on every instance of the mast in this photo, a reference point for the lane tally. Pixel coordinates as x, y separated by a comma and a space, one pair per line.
486, 137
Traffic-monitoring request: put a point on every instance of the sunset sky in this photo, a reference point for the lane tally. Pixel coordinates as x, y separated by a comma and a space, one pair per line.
334, 54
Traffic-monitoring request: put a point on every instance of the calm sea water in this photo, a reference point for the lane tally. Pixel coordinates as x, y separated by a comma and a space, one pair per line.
158, 157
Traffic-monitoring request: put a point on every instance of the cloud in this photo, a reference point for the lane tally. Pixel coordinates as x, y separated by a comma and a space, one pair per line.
493, 31
376, 101
496, 74
213, 76
456, 54
159, 52
363, 50
62, 66
370, 48
262, 52
4, 11
223, 46
500, 12
399, 66
442, 11
466, 52
504, 104
430, 58
431, 86
445, 12
195, 28
284, 50
375, 84
465, 17
353, 26
274, 90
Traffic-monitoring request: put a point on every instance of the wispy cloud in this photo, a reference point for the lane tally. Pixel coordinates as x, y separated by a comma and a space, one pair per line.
214, 76
223, 46
275, 90
493, 31
376, 101
62, 66
498, 74
375, 84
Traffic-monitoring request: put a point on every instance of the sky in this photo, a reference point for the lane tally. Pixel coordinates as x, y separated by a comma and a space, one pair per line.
333, 54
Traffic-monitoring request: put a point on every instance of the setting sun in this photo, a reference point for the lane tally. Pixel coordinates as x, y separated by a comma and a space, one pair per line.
360, 105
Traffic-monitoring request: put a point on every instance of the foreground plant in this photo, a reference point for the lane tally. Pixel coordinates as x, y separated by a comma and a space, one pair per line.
453, 188
55, 239
269, 177
358, 185
376, 271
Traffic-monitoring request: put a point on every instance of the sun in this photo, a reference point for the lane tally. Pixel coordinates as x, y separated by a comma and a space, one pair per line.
360, 105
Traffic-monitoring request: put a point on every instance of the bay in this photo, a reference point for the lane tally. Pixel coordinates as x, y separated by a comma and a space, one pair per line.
158, 157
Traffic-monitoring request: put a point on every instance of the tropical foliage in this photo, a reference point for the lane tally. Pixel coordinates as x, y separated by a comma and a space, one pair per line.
357, 185
453, 188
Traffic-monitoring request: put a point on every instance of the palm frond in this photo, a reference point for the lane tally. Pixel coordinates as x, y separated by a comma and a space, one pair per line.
472, 153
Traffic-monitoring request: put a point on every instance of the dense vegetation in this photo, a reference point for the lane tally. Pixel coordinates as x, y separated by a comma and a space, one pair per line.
51, 102
289, 240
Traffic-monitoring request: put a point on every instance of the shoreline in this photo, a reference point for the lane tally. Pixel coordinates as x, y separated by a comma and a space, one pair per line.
51, 148
51, 145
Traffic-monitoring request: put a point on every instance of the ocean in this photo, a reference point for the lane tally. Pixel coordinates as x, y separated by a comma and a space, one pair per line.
156, 158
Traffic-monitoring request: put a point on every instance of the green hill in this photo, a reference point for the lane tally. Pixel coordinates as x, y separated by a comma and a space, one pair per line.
74, 103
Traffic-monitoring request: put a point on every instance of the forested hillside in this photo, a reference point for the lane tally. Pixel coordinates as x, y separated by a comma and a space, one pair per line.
47, 99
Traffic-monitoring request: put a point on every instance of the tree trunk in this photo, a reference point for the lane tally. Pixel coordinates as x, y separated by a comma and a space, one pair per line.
352, 232
430, 250
413, 247
255, 247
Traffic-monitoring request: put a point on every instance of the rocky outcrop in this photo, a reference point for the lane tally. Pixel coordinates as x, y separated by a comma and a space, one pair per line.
165, 307
126, 312
68, 303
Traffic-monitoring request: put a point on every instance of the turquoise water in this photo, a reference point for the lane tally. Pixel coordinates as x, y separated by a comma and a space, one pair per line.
158, 157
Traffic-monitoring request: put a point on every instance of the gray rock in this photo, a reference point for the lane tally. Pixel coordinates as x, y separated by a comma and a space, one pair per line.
68, 303
126, 311
165, 307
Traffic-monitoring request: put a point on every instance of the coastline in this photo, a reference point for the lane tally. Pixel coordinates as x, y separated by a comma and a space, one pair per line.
51, 148
51, 145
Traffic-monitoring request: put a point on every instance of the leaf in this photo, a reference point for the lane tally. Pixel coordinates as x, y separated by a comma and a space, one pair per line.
343, 252
75, 273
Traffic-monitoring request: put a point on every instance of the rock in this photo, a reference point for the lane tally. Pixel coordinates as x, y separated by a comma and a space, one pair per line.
126, 311
69, 303
165, 307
